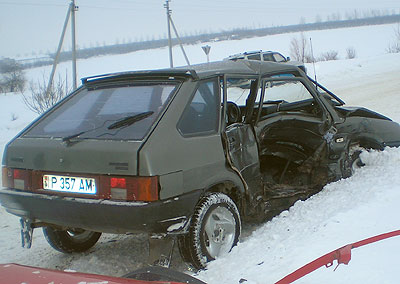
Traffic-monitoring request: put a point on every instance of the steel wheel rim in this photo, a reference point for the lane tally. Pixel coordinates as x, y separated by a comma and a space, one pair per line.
219, 232
79, 235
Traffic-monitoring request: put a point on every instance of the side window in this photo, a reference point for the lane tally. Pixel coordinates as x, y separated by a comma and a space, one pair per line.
237, 92
200, 116
286, 91
254, 57
288, 95
279, 58
268, 57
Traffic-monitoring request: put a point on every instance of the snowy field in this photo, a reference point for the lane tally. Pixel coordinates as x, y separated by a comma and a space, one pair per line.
346, 211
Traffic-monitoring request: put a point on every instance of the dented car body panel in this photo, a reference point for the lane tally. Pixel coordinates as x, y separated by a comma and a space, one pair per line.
262, 133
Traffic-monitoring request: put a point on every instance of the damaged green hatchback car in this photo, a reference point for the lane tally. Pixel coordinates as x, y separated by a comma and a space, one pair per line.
189, 152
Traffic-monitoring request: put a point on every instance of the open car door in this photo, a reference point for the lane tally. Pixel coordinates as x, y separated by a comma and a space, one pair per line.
241, 144
292, 129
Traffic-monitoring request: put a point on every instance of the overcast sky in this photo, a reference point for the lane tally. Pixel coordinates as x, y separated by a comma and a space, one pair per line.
30, 27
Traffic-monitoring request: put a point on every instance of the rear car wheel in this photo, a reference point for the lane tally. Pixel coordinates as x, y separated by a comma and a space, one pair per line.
214, 230
72, 240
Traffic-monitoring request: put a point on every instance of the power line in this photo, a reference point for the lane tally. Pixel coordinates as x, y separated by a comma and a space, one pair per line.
31, 4
220, 6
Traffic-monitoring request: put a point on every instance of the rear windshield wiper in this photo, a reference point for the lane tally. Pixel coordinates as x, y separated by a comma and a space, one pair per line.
68, 138
126, 121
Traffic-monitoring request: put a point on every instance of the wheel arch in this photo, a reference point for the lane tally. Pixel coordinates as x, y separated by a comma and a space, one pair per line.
231, 189
367, 142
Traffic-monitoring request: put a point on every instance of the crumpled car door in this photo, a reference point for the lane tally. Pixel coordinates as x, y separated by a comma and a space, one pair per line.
242, 149
290, 116
292, 129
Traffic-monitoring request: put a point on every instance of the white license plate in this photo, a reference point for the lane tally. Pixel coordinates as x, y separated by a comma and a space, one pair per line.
69, 184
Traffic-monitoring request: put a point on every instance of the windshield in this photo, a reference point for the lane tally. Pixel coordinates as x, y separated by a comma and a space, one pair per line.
117, 112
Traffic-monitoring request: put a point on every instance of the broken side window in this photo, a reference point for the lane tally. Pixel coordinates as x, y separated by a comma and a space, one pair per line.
238, 91
288, 96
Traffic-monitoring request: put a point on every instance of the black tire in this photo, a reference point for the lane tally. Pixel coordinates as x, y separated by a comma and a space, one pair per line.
214, 230
72, 240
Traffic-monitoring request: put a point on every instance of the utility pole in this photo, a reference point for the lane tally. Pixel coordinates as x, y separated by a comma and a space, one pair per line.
73, 9
53, 70
180, 42
166, 6
70, 14
170, 22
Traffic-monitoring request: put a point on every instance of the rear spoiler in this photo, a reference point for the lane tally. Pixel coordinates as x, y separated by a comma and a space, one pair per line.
188, 73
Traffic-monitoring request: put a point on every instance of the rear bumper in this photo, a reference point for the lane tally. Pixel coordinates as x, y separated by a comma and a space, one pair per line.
101, 215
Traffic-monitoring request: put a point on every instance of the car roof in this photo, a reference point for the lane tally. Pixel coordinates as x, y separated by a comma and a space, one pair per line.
243, 54
200, 71
245, 67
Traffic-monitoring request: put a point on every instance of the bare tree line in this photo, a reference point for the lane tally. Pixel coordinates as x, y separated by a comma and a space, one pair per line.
300, 50
394, 46
126, 46
41, 99
12, 78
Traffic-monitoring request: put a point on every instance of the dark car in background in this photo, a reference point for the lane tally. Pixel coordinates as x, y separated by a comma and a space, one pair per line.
186, 152
271, 56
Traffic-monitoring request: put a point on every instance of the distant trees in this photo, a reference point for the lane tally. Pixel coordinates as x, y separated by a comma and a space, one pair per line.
12, 78
318, 19
41, 99
333, 21
394, 47
299, 49
351, 53
328, 55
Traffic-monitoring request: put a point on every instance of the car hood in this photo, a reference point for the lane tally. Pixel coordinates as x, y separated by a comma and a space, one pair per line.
79, 156
14, 274
371, 126
360, 112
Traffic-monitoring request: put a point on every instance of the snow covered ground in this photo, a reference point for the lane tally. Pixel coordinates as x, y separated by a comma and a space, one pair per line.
346, 211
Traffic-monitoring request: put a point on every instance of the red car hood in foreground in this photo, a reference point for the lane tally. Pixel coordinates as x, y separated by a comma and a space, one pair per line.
17, 274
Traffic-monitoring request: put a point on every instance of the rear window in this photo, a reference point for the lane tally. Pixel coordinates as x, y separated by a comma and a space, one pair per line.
117, 112
279, 58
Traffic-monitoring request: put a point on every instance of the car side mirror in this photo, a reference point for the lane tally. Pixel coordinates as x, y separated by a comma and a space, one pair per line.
288, 58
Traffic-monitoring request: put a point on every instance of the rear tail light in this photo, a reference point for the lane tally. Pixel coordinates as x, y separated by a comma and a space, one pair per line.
133, 188
118, 182
17, 178
5, 177
126, 188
